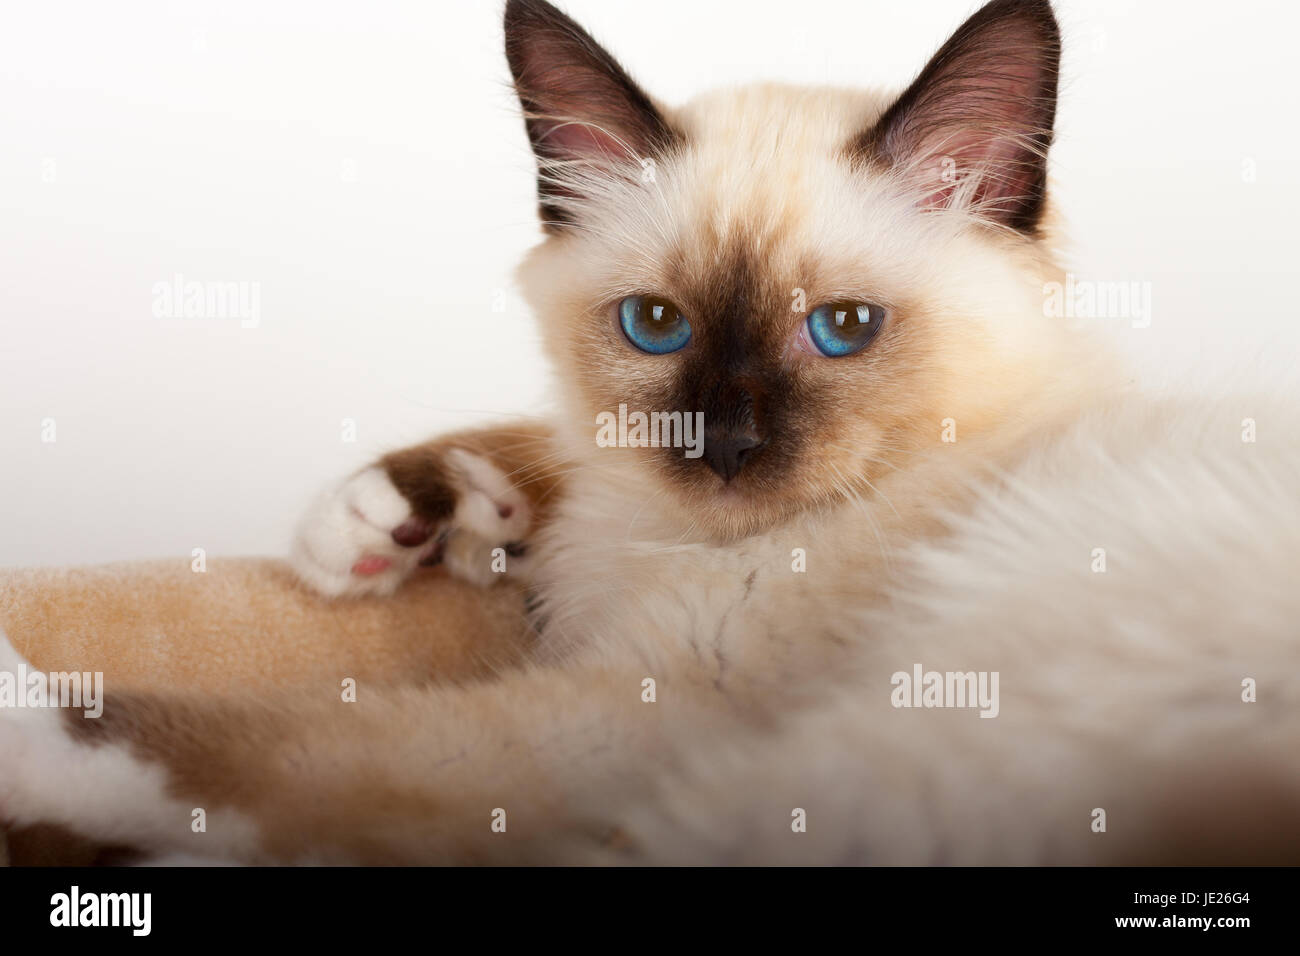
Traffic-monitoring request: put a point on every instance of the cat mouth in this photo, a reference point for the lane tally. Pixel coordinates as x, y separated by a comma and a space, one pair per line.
731, 494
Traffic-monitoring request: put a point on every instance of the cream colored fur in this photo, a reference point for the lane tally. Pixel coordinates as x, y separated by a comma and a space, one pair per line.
1120, 690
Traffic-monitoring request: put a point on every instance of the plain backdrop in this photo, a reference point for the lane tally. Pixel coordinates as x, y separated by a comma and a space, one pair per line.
363, 164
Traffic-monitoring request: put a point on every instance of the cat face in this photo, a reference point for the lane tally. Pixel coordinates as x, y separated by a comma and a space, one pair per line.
824, 275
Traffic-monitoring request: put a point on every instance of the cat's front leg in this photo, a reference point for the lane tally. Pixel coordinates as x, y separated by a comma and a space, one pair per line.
469, 501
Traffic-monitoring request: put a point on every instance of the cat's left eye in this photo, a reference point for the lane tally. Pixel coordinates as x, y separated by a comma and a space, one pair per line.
653, 324
837, 329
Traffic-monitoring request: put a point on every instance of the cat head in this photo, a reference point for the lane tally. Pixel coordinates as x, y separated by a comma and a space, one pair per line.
826, 275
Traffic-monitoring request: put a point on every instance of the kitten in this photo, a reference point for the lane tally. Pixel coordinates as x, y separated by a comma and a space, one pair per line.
907, 470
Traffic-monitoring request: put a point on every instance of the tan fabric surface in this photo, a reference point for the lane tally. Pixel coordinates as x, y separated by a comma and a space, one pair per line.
245, 624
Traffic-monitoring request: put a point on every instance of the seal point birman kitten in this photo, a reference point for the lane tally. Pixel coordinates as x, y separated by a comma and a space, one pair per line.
935, 587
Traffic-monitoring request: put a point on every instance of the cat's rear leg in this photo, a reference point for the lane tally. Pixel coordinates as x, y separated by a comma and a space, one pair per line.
395, 776
56, 768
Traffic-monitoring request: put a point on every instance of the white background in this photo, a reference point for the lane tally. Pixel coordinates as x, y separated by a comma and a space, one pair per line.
363, 162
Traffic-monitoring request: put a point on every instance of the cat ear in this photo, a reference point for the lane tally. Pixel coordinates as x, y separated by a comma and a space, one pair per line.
975, 126
585, 116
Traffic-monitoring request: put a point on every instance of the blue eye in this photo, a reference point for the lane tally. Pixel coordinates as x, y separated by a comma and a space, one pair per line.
837, 329
653, 324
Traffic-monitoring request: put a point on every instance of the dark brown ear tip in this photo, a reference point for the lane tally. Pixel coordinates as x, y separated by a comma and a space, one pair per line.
1036, 16
524, 15
1040, 9
519, 10
1038, 13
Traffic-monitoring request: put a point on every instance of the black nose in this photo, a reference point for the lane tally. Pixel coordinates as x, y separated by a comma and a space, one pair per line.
726, 451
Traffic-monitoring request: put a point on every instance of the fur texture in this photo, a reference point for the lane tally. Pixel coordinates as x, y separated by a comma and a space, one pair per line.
715, 656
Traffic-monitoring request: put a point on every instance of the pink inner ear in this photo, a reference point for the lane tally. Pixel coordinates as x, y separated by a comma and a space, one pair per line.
977, 121
977, 126
935, 170
581, 141
994, 156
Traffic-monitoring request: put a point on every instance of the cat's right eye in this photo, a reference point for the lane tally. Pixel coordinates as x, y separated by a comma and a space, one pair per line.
653, 324
837, 329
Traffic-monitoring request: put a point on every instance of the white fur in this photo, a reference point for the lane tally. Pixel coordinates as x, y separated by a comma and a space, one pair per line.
484, 489
355, 519
101, 789
1119, 689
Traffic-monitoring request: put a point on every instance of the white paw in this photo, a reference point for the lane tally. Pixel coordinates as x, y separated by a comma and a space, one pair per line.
362, 537
345, 544
491, 513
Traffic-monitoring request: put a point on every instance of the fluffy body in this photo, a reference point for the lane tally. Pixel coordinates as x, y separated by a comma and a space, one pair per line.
1121, 690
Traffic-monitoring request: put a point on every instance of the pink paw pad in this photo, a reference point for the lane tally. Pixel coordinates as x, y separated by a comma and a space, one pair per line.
371, 564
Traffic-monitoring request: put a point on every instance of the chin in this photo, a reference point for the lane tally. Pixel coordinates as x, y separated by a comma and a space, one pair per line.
728, 511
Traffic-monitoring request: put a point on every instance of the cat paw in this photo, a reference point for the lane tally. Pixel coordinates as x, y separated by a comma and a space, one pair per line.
365, 537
